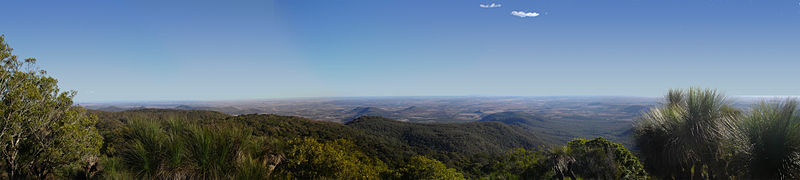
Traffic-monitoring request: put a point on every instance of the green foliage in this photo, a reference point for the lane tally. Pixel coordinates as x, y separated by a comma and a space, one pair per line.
603, 159
42, 132
560, 163
421, 167
113, 168
519, 163
773, 129
110, 124
305, 149
211, 149
471, 147
149, 149
762, 144
488, 137
555, 128
698, 135
339, 159
588, 159
689, 136
177, 149
248, 167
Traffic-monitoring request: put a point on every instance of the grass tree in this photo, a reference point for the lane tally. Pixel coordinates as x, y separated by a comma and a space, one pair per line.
773, 129
690, 136
178, 149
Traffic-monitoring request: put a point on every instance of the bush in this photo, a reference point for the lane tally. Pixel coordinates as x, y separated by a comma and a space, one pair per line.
773, 130
177, 149
602, 159
690, 136
421, 167
338, 159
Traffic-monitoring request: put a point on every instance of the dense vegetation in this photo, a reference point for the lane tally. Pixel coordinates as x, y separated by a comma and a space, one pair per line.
41, 132
558, 131
367, 148
697, 133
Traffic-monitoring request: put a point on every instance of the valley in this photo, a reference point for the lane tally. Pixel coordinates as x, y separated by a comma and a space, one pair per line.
556, 119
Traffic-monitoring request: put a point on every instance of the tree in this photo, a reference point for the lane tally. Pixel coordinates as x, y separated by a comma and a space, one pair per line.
338, 159
602, 159
773, 130
520, 163
421, 167
41, 129
690, 136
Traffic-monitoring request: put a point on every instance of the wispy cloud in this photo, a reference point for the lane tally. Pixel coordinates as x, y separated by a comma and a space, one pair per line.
493, 5
524, 14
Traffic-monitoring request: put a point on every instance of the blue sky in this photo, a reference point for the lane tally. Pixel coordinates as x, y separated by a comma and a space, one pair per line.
227, 50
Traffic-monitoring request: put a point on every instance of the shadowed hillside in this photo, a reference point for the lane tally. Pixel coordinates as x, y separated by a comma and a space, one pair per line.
488, 137
455, 144
562, 130
393, 140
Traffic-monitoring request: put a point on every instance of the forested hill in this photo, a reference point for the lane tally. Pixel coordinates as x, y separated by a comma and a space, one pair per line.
157, 114
558, 131
474, 137
393, 141
458, 145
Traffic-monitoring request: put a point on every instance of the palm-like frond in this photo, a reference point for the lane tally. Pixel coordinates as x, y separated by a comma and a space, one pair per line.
691, 131
178, 149
144, 154
774, 132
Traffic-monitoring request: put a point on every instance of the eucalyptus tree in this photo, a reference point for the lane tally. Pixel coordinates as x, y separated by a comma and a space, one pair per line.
690, 136
773, 129
602, 159
421, 167
40, 128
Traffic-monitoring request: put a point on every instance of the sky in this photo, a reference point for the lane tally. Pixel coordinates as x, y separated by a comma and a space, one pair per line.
237, 50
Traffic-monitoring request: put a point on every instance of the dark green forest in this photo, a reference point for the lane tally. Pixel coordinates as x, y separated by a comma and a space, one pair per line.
694, 134
294, 147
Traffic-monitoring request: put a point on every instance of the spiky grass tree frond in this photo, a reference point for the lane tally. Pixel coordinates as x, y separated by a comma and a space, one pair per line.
114, 168
156, 149
774, 132
145, 152
200, 146
653, 133
174, 150
213, 150
248, 167
692, 129
179, 149
675, 97
560, 160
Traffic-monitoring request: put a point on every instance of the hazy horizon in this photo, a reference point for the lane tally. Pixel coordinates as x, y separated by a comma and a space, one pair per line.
286, 99
359, 97
205, 51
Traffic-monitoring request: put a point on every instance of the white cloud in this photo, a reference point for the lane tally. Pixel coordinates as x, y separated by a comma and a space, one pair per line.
524, 14
493, 5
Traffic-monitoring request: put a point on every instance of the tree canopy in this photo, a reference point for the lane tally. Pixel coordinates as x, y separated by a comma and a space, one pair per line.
42, 131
